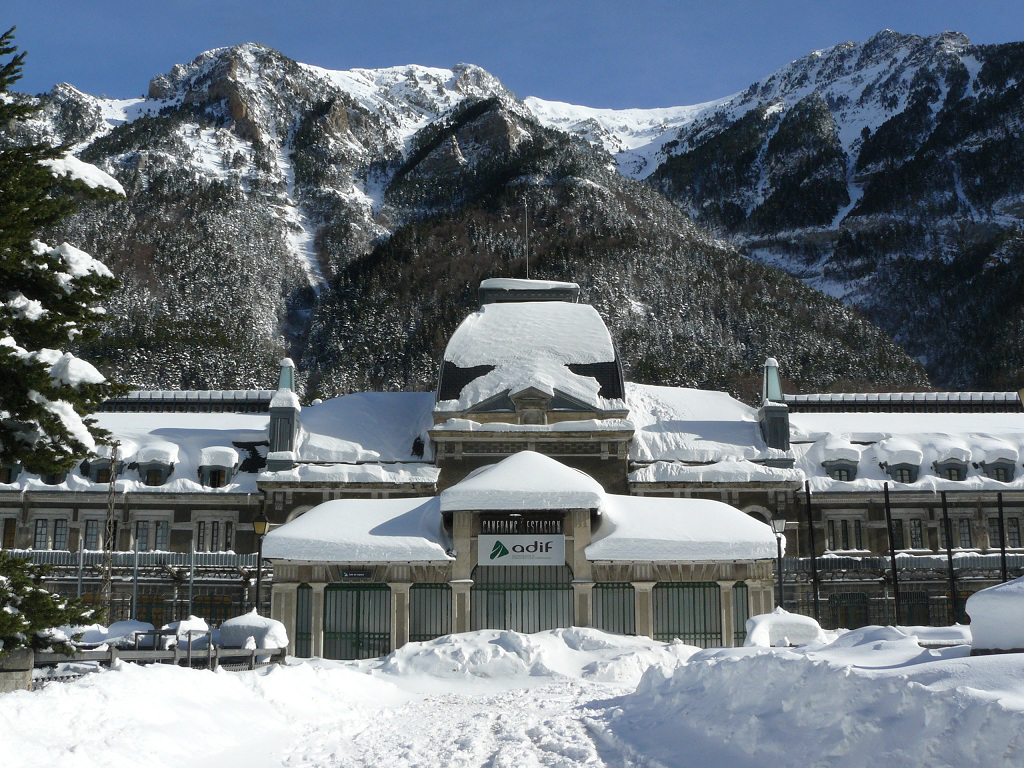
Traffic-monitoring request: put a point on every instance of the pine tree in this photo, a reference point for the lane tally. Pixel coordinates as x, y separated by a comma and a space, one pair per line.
27, 610
48, 296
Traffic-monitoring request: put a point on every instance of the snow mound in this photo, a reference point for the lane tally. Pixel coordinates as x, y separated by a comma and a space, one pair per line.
997, 617
782, 628
782, 708
575, 652
266, 633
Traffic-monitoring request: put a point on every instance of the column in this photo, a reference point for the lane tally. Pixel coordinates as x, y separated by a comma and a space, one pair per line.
399, 614
462, 536
644, 607
728, 613
460, 604
283, 604
583, 603
318, 617
581, 568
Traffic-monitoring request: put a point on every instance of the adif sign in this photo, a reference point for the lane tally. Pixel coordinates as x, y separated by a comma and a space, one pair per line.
520, 550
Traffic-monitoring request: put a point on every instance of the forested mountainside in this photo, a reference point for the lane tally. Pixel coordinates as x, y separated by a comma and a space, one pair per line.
888, 173
346, 218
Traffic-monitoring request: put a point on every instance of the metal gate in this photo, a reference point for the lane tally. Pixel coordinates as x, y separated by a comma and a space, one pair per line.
849, 610
357, 621
615, 607
690, 611
304, 621
521, 598
430, 611
740, 612
914, 609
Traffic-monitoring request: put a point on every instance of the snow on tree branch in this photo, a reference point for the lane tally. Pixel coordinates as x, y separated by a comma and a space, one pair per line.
88, 174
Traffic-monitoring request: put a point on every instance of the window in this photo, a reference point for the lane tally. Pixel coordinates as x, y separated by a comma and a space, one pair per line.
41, 540
103, 475
916, 534
902, 475
162, 536
1002, 474
200, 536
92, 534
897, 535
214, 536
9, 528
858, 535
832, 535
6, 474
964, 527
844, 528
60, 534
1013, 532
841, 473
218, 478
227, 536
142, 535
951, 473
154, 476
52, 478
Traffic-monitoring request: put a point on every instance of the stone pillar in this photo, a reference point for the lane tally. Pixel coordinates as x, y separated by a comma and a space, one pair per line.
583, 603
399, 614
581, 568
460, 604
762, 596
728, 613
462, 536
644, 607
318, 617
283, 605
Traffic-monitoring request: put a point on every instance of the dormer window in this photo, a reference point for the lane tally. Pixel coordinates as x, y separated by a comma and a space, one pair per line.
841, 469
951, 469
155, 476
902, 473
1002, 471
53, 478
8, 473
98, 470
217, 466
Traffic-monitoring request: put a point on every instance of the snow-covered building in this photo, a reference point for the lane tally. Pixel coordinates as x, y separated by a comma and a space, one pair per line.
388, 505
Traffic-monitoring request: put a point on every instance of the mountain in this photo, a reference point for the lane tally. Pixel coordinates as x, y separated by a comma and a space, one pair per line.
346, 218
888, 174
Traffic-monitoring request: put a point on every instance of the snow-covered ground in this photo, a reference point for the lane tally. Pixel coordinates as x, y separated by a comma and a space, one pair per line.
573, 697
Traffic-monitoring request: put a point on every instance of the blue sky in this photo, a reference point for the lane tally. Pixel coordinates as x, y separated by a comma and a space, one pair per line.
643, 53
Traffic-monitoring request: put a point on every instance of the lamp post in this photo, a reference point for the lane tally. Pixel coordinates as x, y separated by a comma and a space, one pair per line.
779, 528
260, 526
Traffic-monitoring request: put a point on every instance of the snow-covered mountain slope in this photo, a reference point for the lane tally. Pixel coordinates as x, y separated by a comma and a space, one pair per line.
346, 217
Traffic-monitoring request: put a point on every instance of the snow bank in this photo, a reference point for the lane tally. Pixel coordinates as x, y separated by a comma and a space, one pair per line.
575, 652
120, 634
997, 617
267, 633
781, 629
872, 697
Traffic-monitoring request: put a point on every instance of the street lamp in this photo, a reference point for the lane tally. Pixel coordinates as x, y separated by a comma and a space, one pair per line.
779, 528
260, 526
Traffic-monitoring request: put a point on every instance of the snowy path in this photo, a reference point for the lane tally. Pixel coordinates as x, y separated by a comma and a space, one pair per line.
508, 729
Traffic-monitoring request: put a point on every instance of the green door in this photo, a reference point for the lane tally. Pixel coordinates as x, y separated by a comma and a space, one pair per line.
740, 612
430, 611
691, 611
357, 621
521, 598
615, 607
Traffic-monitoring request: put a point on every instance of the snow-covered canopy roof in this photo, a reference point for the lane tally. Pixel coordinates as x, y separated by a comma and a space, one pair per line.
523, 345
689, 530
524, 481
363, 531
519, 284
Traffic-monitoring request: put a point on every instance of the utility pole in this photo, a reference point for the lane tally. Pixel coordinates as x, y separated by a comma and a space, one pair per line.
106, 590
526, 215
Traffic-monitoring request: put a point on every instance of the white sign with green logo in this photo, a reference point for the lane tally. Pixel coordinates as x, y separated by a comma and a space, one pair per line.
545, 549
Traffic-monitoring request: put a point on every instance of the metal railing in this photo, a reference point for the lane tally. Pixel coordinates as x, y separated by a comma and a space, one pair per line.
120, 559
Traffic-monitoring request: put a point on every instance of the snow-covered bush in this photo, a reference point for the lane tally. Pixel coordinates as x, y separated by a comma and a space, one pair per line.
267, 633
782, 628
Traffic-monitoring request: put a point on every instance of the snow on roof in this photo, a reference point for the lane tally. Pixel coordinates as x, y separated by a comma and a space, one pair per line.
524, 481
218, 456
584, 425
727, 471
650, 528
363, 531
871, 427
900, 450
173, 438
366, 426
355, 473
529, 344
695, 425
519, 284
